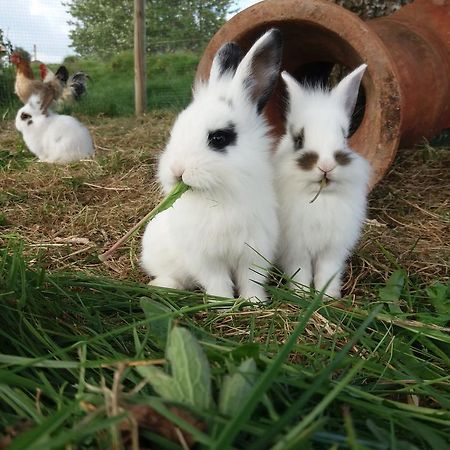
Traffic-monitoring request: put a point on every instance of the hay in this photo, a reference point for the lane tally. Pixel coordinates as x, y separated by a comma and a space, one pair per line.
67, 215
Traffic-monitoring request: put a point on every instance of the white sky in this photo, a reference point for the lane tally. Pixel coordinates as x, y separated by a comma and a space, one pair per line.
44, 23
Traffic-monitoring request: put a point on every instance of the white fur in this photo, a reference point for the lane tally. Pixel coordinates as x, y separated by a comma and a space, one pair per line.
224, 230
317, 238
52, 137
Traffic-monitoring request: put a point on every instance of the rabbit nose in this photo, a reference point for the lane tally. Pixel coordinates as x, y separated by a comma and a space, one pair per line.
326, 167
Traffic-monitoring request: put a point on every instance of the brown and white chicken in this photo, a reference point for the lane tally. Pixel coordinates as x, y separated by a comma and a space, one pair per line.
26, 85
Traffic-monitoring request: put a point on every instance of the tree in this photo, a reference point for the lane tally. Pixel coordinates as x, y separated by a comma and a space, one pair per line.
6, 73
104, 27
5, 47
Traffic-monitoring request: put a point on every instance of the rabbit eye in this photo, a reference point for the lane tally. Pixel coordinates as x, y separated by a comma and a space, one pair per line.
220, 139
342, 158
298, 139
25, 116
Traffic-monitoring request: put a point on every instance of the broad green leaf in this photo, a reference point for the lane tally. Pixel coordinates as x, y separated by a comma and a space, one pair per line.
190, 367
439, 295
159, 329
163, 384
392, 291
237, 387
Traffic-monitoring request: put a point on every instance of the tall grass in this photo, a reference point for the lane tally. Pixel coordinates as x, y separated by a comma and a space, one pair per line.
69, 342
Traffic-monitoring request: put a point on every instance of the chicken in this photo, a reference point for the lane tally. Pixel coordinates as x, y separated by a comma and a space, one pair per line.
73, 87
26, 84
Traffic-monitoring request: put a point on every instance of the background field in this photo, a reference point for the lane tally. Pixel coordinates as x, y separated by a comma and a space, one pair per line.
111, 85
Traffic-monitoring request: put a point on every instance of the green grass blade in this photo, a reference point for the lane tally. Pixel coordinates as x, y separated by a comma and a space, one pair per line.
226, 438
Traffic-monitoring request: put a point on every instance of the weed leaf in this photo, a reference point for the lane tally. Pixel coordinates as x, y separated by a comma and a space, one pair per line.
390, 293
190, 367
237, 387
158, 328
163, 384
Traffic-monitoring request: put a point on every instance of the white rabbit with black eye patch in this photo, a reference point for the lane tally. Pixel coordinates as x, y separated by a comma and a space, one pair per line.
221, 233
53, 138
316, 237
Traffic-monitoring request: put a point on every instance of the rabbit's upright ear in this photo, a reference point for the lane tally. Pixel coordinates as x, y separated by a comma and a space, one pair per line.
346, 91
225, 62
258, 72
294, 89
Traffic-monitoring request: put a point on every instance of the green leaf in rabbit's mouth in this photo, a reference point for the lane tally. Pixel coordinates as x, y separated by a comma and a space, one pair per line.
178, 190
323, 182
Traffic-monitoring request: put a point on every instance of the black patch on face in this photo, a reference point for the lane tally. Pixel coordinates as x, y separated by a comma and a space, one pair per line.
29, 122
342, 158
298, 139
229, 57
308, 160
219, 140
25, 116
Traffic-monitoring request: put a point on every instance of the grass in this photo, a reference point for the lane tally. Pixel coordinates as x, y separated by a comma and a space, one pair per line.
111, 88
367, 372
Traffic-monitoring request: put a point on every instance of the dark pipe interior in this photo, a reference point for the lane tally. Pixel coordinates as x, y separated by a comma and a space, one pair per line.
313, 55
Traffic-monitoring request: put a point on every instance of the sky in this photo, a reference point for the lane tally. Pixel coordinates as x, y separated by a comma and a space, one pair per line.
44, 23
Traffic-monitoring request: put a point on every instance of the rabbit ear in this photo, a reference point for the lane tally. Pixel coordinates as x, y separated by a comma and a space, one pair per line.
258, 72
347, 90
226, 61
294, 89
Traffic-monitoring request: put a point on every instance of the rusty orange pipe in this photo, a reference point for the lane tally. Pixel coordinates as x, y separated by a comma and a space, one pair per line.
406, 87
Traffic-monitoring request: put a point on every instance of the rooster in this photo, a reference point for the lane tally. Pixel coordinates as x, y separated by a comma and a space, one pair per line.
26, 84
51, 88
73, 87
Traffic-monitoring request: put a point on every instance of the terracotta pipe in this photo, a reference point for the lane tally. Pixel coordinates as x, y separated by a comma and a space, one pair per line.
406, 87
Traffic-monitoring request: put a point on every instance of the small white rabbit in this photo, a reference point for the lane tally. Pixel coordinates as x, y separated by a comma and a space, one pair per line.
52, 137
222, 233
317, 237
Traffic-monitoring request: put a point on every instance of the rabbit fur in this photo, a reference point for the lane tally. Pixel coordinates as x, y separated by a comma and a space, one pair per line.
316, 238
222, 233
53, 138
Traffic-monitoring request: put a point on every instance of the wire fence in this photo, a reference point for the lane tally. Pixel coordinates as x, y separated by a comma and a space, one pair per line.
171, 63
110, 86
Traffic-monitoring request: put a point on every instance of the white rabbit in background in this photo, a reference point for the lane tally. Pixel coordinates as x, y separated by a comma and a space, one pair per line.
222, 233
52, 137
316, 238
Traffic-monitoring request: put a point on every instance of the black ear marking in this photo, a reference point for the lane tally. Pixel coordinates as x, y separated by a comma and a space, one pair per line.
228, 58
265, 69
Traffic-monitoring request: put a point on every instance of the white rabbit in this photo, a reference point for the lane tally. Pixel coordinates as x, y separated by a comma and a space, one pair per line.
222, 233
317, 237
52, 137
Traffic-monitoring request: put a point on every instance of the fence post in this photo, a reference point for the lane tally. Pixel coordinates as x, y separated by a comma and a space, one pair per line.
140, 85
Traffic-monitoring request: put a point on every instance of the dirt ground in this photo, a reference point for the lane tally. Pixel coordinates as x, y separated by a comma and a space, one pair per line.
68, 215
